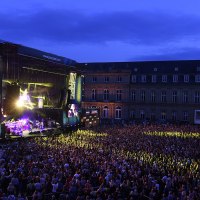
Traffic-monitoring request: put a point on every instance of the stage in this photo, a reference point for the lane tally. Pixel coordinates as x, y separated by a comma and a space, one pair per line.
35, 133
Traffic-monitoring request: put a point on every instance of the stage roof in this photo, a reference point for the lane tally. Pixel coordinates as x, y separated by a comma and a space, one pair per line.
27, 51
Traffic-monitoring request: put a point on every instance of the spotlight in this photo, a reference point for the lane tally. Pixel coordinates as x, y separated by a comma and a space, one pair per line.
19, 103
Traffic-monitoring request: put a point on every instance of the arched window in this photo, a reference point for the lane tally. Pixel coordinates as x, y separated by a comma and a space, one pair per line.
118, 113
105, 112
132, 114
174, 115
142, 114
163, 115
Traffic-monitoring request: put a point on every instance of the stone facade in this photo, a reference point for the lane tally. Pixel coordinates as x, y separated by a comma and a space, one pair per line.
166, 91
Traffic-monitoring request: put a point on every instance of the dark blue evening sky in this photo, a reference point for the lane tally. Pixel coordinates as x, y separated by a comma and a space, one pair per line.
105, 30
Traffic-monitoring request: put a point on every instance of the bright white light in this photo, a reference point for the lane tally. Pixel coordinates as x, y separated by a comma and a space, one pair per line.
40, 102
24, 100
19, 103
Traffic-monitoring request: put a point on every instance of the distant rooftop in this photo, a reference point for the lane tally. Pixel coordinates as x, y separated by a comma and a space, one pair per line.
183, 66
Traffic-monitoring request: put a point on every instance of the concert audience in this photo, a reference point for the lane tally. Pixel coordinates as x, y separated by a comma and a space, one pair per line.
133, 162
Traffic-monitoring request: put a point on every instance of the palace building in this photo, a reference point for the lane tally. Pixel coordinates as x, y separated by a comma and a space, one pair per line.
158, 91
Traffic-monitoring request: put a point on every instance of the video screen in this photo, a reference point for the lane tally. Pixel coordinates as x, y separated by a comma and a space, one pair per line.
73, 110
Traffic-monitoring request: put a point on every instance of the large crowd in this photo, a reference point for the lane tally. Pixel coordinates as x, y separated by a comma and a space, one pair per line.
132, 162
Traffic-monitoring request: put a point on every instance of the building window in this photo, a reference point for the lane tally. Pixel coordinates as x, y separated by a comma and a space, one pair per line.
186, 78
135, 69
197, 97
176, 69
106, 79
83, 94
174, 115
142, 114
163, 115
164, 78
185, 96
119, 95
106, 95
94, 94
134, 79
105, 112
153, 78
197, 78
152, 116
174, 96
133, 95
143, 78
185, 116
153, 96
163, 97
132, 114
142, 95
118, 113
175, 78
198, 69
119, 79
94, 79
155, 69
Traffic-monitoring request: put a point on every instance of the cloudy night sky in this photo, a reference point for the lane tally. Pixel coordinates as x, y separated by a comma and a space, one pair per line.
105, 30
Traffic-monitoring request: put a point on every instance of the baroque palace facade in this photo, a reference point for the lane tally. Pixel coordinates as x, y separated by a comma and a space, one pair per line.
156, 91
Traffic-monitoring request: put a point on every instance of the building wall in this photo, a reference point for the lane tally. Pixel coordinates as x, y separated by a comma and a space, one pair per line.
117, 84
172, 97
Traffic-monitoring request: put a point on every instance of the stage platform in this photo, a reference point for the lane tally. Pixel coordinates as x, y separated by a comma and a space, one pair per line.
36, 133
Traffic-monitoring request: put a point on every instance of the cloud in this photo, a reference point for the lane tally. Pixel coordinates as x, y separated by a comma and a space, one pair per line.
65, 26
181, 54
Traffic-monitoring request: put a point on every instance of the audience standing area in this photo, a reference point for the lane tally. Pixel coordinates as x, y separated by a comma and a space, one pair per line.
139, 162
